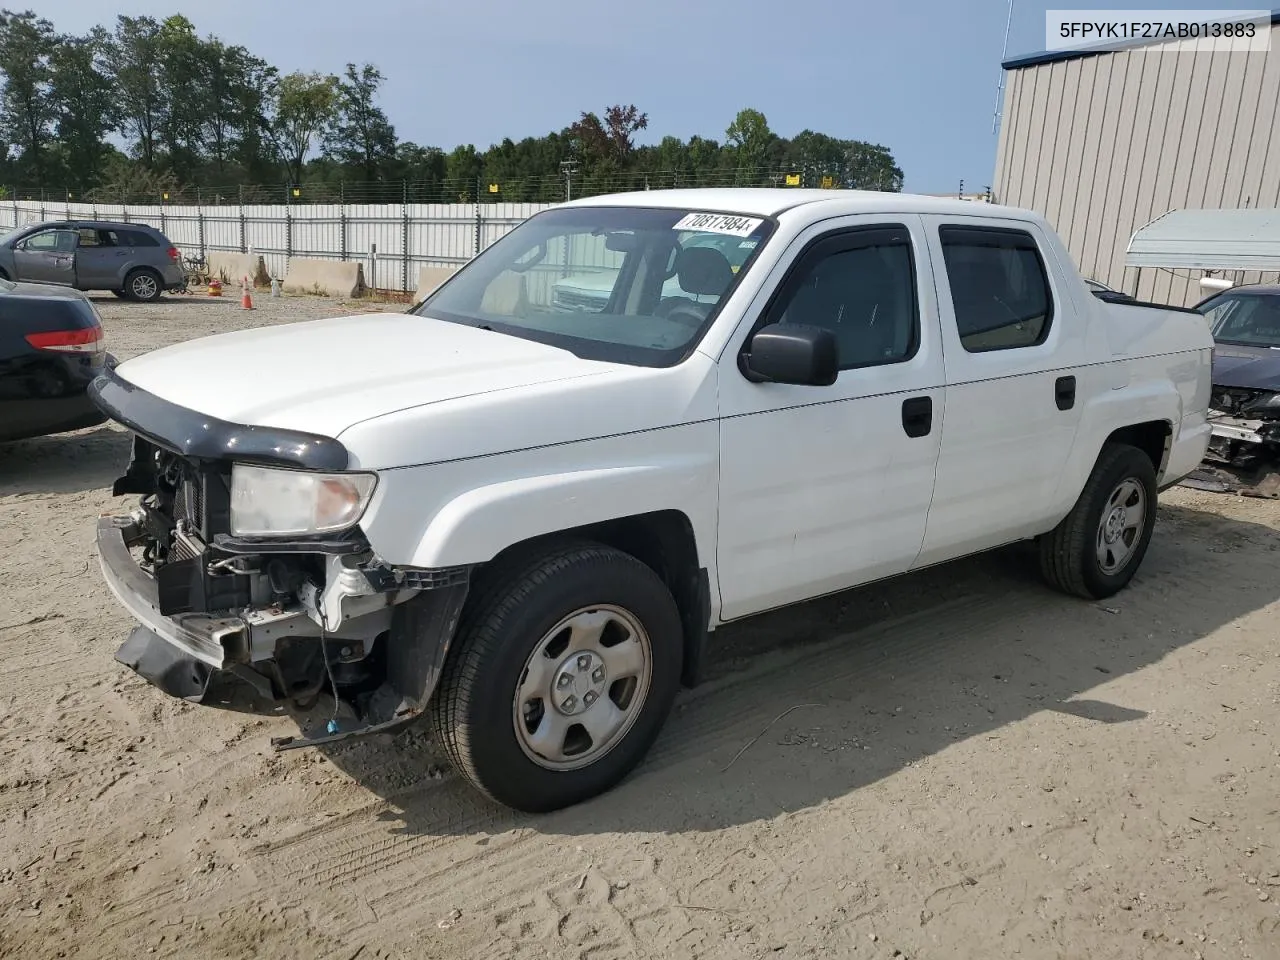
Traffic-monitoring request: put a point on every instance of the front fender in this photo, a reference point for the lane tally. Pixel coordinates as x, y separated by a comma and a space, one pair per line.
480, 523
467, 512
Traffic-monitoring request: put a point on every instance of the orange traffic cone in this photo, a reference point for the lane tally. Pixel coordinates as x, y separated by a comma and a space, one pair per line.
246, 301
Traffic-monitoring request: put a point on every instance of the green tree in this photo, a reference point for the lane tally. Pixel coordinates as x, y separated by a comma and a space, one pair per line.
26, 103
870, 166
84, 105
183, 68
462, 167
136, 55
360, 135
236, 87
304, 106
751, 139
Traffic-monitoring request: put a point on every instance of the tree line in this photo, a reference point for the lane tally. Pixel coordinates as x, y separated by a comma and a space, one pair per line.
199, 117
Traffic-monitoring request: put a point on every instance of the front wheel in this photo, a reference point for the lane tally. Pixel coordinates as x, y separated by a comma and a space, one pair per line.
564, 671
1097, 549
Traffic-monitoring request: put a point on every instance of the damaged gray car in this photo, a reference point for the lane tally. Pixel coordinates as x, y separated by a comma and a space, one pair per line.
1244, 410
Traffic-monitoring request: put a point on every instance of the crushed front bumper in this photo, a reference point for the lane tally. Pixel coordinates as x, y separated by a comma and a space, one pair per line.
180, 654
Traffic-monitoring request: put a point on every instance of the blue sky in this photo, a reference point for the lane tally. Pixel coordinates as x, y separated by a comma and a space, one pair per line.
918, 76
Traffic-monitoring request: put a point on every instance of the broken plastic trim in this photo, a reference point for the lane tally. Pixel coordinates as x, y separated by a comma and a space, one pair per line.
422, 631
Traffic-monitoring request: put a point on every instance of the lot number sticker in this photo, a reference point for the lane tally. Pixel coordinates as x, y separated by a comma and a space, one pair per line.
719, 223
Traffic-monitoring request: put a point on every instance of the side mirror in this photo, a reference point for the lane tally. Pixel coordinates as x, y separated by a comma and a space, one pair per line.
792, 353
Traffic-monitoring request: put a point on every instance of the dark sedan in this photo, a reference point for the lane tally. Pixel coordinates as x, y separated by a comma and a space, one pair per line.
1245, 404
51, 348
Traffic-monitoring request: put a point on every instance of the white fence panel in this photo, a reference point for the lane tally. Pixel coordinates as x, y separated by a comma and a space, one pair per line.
406, 236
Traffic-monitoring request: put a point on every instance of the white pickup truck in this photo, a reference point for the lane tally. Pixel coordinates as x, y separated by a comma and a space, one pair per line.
524, 520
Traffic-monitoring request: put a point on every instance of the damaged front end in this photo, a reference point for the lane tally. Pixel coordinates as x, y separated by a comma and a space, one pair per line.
1244, 450
293, 617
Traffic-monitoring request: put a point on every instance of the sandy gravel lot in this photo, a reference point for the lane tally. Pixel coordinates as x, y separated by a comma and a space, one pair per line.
959, 764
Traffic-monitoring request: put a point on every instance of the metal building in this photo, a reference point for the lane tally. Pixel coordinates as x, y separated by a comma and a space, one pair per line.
1102, 143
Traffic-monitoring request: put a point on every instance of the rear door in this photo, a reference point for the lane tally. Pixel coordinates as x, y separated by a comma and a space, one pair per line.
47, 257
1015, 356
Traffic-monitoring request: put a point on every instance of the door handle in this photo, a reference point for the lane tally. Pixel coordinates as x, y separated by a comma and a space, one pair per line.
917, 416
1064, 392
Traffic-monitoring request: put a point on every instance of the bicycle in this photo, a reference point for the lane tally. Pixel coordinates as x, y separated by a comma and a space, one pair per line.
194, 272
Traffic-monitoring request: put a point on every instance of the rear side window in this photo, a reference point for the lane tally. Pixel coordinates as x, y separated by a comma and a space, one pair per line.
999, 288
136, 238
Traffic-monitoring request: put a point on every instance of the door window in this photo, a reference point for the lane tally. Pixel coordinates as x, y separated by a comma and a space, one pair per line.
859, 284
51, 241
999, 287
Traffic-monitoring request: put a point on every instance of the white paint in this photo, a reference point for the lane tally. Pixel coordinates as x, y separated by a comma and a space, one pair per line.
482, 440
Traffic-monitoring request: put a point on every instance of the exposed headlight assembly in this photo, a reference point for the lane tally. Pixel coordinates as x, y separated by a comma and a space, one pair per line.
271, 502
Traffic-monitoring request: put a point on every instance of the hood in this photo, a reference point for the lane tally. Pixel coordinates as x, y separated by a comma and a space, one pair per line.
324, 376
601, 283
1249, 368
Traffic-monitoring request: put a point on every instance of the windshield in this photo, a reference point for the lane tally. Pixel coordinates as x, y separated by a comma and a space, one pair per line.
1251, 320
623, 284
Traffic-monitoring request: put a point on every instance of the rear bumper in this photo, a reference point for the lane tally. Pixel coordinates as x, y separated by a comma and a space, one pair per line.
1186, 454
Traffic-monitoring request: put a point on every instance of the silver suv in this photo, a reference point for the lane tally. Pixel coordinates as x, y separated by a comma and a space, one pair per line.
131, 260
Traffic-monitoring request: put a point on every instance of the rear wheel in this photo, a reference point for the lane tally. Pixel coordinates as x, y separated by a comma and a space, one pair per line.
564, 671
143, 284
1097, 549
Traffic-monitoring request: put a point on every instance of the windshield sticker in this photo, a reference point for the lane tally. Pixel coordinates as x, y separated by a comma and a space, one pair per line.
720, 223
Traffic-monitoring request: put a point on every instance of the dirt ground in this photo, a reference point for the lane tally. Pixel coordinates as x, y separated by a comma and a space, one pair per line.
957, 764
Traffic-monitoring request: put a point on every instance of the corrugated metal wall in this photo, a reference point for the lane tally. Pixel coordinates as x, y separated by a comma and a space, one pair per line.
407, 236
1102, 144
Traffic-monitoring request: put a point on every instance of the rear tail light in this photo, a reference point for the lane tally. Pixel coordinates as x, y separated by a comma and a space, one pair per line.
84, 340
174, 255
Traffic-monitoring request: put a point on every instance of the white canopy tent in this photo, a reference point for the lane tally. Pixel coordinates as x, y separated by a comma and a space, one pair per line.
1217, 239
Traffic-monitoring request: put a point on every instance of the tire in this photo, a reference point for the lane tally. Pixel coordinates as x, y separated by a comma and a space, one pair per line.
1072, 555
143, 285
491, 710
121, 294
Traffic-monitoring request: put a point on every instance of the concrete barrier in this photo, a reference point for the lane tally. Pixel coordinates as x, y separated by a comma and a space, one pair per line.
429, 278
231, 267
330, 278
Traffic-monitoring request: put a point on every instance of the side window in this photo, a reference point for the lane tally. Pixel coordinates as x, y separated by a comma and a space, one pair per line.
999, 287
861, 286
51, 241
136, 238
89, 237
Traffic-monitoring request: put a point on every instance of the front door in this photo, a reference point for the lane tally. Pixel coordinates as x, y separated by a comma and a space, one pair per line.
822, 488
100, 257
1015, 366
46, 257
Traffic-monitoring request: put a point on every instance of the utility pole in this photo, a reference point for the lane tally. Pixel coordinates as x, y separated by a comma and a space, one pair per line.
995, 114
568, 167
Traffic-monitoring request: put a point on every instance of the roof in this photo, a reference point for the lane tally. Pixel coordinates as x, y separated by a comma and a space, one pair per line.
1053, 56
1215, 239
773, 201
117, 224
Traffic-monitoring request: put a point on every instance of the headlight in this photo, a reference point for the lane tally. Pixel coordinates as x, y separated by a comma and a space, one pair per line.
267, 502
